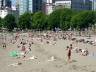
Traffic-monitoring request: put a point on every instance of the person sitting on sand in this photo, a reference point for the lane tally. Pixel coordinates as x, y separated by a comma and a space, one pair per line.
84, 52
71, 46
29, 44
4, 45
47, 42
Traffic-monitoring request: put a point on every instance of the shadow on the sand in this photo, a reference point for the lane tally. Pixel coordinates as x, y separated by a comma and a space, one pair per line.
73, 61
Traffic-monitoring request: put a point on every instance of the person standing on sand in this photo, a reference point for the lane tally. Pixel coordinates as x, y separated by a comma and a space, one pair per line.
69, 53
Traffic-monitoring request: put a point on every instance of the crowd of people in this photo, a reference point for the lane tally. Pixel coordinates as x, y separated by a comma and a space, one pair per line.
24, 41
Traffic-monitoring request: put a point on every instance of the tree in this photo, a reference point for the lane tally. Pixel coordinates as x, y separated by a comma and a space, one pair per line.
54, 19
60, 18
25, 21
0, 22
9, 22
94, 19
65, 18
82, 20
39, 21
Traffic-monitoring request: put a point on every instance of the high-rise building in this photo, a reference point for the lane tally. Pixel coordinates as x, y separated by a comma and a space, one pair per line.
62, 4
8, 3
81, 4
0, 3
37, 5
17, 5
94, 5
49, 6
23, 6
5, 8
29, 6
5, 3
52, 5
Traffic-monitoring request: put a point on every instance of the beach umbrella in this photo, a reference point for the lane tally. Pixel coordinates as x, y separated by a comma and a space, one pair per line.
14, 53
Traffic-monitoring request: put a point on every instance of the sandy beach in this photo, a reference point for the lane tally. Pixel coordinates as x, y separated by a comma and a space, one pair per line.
50, 57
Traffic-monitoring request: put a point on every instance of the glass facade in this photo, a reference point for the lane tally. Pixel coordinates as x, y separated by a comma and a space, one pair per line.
94, 5
29, 6
62, 4
8, 3
23, 6
0, 3
5, 3
37, 5
81, 4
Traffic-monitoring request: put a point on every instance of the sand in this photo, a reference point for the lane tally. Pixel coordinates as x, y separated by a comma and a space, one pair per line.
44, 62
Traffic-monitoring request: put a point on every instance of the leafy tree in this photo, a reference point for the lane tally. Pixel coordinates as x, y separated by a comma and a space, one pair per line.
9, 22
0, 22
25, 21
54, 19
65, 18
94, 19
60, 18
82, 20
39, 21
